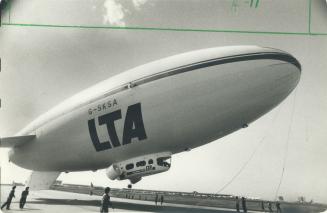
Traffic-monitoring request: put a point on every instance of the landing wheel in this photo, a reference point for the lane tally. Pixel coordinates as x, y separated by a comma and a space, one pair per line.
129, 186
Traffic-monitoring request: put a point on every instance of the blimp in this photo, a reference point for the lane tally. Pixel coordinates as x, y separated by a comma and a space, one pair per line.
133, 123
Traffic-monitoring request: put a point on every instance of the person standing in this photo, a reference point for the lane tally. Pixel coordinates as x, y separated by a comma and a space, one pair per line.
237, 204
244, 205
91, 189
156, 199
270, 207
262, 206
279, 210
161, 199
23, 198
10, 197
105, 203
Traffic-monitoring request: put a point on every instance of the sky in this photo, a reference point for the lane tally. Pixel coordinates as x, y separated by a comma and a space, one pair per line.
42, 66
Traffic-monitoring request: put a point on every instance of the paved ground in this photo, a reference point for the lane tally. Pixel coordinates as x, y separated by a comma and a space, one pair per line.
49, 201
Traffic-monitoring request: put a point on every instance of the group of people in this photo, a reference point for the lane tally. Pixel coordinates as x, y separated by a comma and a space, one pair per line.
22, 200
243, 204
157, 199
105, 202
278, 208
270, 208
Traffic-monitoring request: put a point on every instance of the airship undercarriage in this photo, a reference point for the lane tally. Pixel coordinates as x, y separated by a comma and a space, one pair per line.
135, 168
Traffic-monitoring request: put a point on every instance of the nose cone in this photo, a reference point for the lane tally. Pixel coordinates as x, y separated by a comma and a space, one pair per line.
269, 79
285, 73
288, 59
250, 84
296, 72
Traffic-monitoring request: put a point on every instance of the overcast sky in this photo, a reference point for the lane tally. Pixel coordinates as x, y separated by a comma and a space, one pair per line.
41, 66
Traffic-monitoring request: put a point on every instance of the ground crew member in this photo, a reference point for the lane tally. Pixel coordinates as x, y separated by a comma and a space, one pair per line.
91, 189
262, 206
244, 205
105, 203
270, 207
161, 199
23, 198
156, 199
237, 204
278, 207
10, 197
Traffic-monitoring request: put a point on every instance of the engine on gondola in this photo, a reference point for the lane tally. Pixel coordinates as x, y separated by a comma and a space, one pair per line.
135, 168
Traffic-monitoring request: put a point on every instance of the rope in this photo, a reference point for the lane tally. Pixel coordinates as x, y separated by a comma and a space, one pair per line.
286, 146
243, 166
251, 157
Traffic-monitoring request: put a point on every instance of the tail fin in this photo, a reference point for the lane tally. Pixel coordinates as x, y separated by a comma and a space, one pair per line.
42, 180
15, 141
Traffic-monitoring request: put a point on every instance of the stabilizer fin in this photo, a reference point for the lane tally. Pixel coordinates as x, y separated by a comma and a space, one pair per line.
8, 142
42, 180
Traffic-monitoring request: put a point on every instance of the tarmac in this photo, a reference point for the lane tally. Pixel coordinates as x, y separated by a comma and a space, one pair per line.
50, 201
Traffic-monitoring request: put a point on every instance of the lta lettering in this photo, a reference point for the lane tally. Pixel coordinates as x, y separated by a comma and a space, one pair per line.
133, 128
